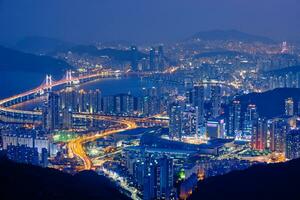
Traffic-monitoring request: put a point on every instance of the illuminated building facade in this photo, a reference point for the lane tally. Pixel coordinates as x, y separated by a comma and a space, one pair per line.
175, 127
293, 144
278, 132
216, 100
215, 128
251, 116
259, 134
234, 119
289, 107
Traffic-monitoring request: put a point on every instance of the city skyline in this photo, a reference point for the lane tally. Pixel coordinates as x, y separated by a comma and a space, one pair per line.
131, 100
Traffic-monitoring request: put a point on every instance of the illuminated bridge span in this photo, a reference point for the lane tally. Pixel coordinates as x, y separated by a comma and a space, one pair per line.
14, 115
9, 114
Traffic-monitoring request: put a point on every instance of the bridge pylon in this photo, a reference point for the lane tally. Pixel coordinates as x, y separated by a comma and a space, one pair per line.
49, 82
69, 77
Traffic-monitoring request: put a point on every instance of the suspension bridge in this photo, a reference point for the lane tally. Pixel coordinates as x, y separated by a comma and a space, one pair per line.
14, 115
9, 114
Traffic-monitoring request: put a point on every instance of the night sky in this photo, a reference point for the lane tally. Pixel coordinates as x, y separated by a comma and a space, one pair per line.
85, 21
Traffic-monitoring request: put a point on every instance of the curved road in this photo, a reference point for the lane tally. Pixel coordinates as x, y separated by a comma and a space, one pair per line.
75, 147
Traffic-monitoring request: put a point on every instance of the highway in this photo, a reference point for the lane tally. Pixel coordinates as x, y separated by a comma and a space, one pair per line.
75, 147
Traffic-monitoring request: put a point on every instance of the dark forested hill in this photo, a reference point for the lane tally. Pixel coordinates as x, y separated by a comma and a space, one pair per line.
12, 60
116, 54
20, 181
264, 182
271, 103
229, 35
21, 71
41, 45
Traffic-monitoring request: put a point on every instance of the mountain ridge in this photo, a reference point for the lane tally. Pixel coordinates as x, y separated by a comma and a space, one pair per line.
229, 35
267, 108
22, 71
22, 181
41, 45
260, 182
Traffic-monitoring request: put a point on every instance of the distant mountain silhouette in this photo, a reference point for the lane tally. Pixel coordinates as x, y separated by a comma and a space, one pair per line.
230, 35
23, 71
13, 60
271, 103
115, 43
21, 181
218, 53
284, 71
261, 182
41, 45
116, 54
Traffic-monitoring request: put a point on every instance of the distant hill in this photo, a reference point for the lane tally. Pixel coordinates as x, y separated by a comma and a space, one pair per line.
116, 54
284, 71
271, 103
22, 71
229, 35
41, 45
262, 182
21, 181
218, 53
116, 43
12, 60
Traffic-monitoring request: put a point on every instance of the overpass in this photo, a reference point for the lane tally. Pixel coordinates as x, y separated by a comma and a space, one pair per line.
142, 121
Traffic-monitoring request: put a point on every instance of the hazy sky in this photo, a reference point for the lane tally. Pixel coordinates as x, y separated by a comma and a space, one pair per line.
145, 20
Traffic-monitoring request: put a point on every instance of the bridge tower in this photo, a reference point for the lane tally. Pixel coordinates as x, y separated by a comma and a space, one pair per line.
49, 82
69, 77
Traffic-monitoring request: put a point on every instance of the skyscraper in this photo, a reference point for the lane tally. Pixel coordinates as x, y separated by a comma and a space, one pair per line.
259, 134
251, 116
51, 112
68, 106
234, 119
108, 104
161, 58
289, 107
127, 104
92, 101
98, 101
293, 144
165, 180
158, 180
190, 121
81, 101
298, 108
117, 104
196, 97
278, 131
175, 127
216, 100
134, 58
152, 59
